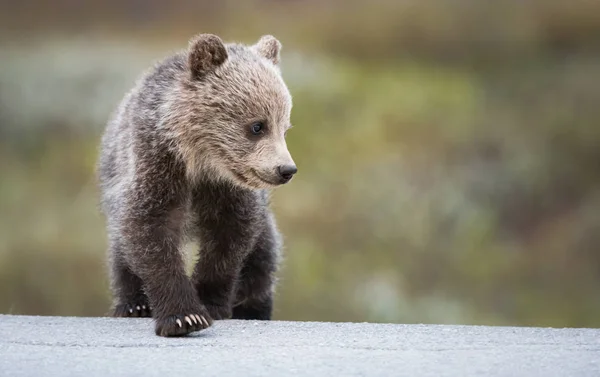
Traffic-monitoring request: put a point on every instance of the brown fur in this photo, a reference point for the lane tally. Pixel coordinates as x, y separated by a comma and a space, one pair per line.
180, 160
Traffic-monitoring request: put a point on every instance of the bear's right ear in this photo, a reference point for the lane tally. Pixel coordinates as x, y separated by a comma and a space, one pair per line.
268, 47
206, 52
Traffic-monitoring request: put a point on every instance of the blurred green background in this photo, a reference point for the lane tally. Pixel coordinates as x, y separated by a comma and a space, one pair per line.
448, 152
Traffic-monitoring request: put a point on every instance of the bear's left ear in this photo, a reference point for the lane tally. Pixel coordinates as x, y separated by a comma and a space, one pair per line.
268, 47
206, 53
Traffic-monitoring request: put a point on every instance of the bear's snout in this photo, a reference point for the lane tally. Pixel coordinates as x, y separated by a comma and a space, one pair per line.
286, 172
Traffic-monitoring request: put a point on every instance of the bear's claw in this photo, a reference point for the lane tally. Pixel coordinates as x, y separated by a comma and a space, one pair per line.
179, 325
132, 310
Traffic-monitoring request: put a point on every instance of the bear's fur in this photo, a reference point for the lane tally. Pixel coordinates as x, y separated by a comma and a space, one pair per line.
190, 154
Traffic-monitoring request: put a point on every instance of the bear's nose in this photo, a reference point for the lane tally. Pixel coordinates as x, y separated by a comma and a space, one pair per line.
287, 171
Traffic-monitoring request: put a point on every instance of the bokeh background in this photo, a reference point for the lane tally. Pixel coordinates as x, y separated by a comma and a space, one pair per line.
448, 152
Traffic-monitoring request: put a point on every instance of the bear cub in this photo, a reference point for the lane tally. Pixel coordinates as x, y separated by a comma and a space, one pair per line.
191, 154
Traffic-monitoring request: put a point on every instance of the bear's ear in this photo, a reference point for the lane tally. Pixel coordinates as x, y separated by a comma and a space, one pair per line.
268, 47
206, 52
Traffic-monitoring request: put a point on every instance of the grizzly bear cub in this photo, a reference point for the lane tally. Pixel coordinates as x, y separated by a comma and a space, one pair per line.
190, 154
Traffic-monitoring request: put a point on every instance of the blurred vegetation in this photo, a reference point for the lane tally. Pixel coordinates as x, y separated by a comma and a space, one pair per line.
449, 152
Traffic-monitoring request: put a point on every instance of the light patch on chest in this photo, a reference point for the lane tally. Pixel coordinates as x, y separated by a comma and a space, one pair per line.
189, 251
190, 244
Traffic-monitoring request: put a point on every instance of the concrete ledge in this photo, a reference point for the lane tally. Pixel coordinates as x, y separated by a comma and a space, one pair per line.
74, 346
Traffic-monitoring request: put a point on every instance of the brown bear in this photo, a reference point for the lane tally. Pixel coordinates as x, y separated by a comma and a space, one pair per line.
191, 154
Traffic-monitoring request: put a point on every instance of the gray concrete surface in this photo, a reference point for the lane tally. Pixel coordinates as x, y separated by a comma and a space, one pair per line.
66, 346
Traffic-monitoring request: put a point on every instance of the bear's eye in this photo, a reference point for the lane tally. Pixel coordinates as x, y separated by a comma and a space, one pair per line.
257, 128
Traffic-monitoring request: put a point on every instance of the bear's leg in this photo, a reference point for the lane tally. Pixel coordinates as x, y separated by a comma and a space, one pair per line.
257, 310
216, 274
129, 299
151, 248
229, 224
254, 299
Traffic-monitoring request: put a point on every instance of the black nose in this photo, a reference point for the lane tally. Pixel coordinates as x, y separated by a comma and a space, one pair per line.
287, 171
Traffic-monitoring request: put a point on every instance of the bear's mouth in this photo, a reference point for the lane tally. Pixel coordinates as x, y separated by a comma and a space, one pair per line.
251, 180
263, 180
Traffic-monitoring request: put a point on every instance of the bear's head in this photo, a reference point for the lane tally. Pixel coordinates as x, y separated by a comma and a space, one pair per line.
237, 109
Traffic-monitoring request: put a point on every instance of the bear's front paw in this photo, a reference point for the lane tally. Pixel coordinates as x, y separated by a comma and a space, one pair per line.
182, 324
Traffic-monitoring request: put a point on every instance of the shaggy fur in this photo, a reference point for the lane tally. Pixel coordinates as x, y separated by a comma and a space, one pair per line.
181, 159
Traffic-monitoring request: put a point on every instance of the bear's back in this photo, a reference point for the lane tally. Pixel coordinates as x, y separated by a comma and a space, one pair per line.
134, 125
